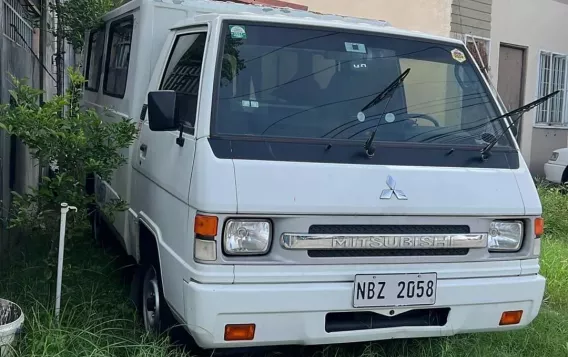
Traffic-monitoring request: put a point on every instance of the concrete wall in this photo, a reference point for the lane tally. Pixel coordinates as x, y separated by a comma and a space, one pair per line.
535, 25
18, 60
430, 16
544, 141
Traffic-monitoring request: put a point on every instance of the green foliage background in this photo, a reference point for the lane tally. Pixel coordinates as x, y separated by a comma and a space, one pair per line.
73, 141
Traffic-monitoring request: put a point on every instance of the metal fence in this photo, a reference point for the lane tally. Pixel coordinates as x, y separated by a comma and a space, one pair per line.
15, 23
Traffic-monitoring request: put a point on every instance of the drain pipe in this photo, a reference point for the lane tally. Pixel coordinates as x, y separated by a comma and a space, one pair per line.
64, 209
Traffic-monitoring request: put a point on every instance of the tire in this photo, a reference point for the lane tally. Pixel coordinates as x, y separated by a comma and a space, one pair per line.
148, 274
155, 312
166, 324
564, 178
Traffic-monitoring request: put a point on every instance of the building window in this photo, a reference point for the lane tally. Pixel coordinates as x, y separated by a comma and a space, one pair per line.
17, 23
118, 57
552, 77
94, 58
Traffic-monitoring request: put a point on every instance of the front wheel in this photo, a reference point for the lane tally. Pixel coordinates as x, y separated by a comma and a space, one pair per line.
154, 309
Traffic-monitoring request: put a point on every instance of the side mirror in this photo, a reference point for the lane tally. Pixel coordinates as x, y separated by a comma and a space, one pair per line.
162, 111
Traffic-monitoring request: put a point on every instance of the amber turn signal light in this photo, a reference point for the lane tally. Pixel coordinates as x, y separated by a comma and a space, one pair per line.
239, 332
539, 226
511, 318
205, 226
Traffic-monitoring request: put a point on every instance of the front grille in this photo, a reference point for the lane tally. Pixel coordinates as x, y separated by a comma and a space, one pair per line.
353, 253
366, 320
388, 229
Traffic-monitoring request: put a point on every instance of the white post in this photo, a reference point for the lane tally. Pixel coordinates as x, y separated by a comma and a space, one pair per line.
64, 209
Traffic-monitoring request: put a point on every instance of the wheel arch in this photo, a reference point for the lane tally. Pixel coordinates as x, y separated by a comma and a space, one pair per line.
149, 236
564, 178
148, 251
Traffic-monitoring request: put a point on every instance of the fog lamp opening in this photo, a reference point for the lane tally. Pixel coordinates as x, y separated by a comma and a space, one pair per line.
243, 332
511, 318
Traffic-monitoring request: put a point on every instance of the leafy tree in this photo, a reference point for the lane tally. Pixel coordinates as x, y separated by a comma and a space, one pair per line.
80, 16
74, 142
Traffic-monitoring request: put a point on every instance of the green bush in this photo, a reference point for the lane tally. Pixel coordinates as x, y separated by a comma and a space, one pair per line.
80, 16
555, 208
73, 141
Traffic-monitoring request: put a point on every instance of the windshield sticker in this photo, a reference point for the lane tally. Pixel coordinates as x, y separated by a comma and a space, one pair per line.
238, 31
245, 103
361, 116
355, 47
359, 66
254, 104
458, 55
389, 118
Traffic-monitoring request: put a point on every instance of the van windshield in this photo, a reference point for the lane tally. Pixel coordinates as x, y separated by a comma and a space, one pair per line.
307, 83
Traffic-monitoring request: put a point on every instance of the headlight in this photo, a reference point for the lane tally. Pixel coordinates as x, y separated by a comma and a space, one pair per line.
554, 156
247, 237
505, 236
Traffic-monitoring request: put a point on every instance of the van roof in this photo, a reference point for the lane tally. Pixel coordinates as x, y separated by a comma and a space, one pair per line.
224, 7
310, 21
208, 10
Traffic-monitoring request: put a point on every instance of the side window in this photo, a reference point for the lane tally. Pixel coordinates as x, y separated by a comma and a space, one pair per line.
183, 74
94, 59
118, 57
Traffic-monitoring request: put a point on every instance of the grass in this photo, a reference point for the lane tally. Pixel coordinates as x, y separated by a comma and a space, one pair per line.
99, 320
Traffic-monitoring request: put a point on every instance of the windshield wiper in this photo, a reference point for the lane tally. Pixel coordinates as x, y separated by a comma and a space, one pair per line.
387, 92
486, 151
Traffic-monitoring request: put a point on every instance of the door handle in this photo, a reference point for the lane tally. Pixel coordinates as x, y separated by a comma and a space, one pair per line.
143, 151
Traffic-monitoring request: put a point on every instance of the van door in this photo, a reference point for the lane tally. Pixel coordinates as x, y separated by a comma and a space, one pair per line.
163, 167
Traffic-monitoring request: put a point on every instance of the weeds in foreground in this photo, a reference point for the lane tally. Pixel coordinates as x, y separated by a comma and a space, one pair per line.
97, 318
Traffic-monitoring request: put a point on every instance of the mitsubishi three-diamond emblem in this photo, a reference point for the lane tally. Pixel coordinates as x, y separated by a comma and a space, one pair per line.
387, 193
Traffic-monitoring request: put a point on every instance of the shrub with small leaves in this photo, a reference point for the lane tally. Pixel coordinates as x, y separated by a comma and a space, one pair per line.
80, 16
72, 140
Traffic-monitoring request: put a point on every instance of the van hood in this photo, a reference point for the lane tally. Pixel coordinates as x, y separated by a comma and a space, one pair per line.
339, 189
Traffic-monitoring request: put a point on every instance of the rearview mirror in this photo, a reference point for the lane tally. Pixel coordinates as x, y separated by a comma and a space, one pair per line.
162, 111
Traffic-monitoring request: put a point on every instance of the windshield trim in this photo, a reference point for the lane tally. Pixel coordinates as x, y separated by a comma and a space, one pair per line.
351, 153
357, 143
223, 27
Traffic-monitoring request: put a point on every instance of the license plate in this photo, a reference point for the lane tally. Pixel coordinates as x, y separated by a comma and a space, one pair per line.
394, 290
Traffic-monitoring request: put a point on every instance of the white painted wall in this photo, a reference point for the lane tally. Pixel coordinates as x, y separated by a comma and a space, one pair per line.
537, 25
430, 16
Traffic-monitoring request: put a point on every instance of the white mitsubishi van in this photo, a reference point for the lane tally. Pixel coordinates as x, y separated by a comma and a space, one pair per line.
311, 179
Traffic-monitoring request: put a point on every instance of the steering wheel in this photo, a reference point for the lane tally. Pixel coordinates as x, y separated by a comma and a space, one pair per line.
410, 116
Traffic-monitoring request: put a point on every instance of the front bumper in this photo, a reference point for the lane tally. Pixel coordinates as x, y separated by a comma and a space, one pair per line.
294, 313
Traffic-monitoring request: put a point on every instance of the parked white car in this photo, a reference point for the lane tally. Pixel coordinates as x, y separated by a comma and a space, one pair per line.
555, 169
302, 178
